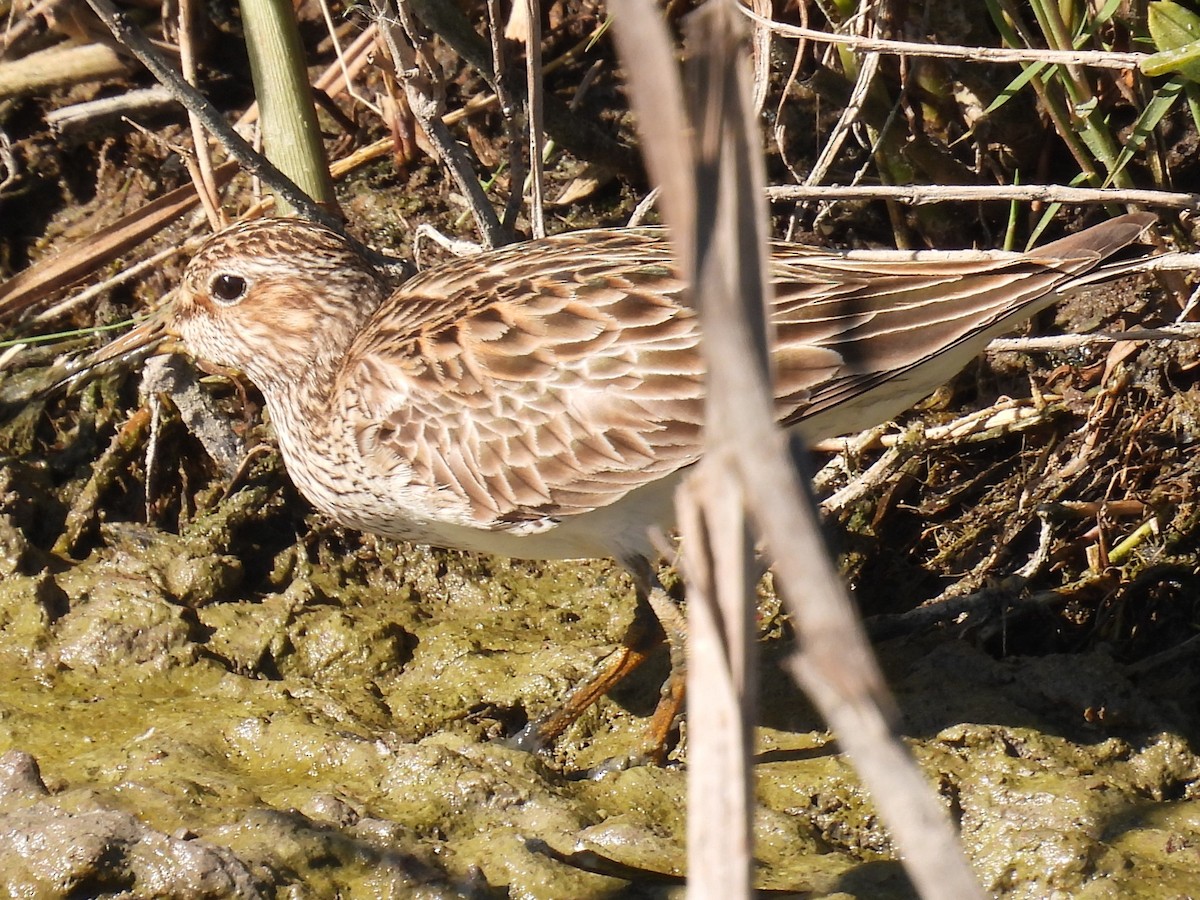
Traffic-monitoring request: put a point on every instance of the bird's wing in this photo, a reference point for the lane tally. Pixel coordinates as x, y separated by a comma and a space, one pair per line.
540, 390
543, 385
917, 317
885, 322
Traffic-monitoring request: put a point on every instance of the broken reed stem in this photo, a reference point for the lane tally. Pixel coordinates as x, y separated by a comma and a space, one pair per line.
712, 176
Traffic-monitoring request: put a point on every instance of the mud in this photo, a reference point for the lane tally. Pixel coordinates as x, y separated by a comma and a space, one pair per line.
167, 733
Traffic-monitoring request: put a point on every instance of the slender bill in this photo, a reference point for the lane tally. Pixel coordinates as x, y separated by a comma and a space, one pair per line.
153, 335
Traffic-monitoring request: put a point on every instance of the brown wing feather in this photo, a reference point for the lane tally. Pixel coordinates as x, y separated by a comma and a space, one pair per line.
546, 385
546, 392
888, 313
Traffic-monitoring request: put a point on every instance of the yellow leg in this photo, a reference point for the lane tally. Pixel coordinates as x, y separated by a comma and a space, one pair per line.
655, 616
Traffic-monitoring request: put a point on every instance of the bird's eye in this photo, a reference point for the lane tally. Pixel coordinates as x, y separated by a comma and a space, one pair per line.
226, 288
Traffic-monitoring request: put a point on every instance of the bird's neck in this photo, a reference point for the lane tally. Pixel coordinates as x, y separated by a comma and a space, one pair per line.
301, 375
300, 408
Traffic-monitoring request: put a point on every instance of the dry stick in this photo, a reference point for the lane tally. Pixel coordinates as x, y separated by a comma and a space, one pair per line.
195, 102
915, 193
924, 618
126, 273
760, 44
721, 656
1003, 417
95, 114
206, 187
337, 77
836, 667
1096, 58
728, 280
399, 31
1183, 332
862, 84
1164, 262
835, 664
513, 119
653, 84
920, 193
720, 642
351, 61
877, 134
341, 72
58, 67
721, 783
533, 90
581, 136
721, 245
779, 128
32, 18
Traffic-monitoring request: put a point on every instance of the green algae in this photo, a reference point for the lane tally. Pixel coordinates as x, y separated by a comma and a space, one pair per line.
339, 734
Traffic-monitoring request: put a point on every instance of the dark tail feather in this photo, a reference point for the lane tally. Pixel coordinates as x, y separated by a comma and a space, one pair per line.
1099, 241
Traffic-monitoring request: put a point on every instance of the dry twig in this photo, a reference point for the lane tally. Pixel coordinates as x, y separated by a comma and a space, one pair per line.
747, 457
1094, 58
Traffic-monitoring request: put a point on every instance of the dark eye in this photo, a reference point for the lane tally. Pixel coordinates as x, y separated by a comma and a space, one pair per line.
228, 288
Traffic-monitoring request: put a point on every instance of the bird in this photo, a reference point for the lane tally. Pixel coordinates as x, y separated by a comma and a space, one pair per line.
542, 400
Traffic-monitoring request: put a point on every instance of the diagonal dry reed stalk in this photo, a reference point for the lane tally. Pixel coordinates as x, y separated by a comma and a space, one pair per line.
701, 147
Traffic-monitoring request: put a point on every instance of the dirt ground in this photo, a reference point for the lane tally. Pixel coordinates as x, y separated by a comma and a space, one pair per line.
212, 691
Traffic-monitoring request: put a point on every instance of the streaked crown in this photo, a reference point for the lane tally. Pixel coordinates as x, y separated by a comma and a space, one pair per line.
276, 298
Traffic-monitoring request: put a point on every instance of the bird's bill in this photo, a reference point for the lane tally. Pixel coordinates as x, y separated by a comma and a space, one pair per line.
152, 336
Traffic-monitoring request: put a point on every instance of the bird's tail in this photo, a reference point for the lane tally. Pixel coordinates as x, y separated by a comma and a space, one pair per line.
1085, 249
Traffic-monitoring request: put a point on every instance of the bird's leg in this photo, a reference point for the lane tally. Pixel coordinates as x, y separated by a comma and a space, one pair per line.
654, 613
641, 639
674, 689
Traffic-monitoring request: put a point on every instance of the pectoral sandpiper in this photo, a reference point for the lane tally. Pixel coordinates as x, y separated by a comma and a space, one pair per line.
542, 400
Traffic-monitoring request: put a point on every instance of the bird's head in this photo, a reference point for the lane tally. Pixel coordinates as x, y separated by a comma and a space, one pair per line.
279, 299
275, 298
